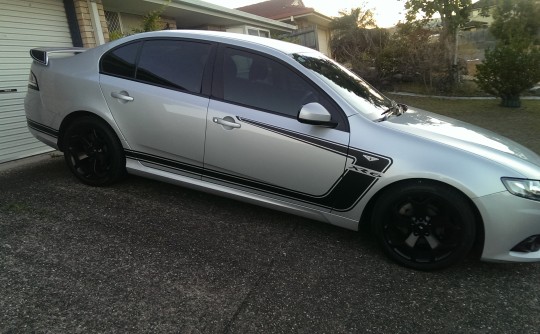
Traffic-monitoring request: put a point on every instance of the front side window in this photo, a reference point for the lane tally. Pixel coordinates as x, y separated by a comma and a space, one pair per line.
173, 64
262, 83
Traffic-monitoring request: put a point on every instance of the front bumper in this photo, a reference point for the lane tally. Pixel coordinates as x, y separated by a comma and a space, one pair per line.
508, 220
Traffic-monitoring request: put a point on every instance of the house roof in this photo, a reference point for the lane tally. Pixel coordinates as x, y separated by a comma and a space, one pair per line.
483, 3
194, 13
281, 9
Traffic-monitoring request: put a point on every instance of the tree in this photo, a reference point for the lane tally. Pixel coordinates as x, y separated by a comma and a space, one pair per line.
516, 22
452, 13
507, 71
411, 56
348, 39
514, 64
356, 40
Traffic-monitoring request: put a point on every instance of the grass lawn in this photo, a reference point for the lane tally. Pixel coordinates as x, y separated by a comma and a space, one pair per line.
519, 124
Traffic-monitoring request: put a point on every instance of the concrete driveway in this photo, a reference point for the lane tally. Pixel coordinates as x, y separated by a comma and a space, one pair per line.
144, 256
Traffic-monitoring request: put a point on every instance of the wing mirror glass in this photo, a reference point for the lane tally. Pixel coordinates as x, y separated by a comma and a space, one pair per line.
315, 114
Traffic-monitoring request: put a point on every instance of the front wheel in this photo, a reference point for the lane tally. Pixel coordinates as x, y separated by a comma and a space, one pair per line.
423, 225
93, 153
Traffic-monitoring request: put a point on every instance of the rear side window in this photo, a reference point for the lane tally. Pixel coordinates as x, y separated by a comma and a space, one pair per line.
173, 64
121, 61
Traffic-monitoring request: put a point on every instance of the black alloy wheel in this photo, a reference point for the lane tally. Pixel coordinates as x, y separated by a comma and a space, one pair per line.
424, 225
93, 153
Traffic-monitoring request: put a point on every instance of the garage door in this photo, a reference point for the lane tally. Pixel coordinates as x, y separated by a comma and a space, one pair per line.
24, 25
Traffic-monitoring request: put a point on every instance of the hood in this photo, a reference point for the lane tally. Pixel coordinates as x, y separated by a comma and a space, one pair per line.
459, 134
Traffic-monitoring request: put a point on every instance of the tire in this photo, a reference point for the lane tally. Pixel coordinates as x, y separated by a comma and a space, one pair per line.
424, 225
93, 152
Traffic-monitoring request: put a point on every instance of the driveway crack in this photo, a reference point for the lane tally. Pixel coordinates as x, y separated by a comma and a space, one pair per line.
264, 275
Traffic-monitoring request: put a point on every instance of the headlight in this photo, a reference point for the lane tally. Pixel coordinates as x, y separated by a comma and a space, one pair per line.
522, 187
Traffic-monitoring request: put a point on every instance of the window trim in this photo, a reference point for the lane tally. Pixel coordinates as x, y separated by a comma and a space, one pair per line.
218, 92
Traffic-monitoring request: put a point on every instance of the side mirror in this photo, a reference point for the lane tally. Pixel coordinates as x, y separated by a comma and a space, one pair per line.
315, 114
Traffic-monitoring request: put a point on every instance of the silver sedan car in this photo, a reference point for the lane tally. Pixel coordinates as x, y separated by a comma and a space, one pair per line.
285, 127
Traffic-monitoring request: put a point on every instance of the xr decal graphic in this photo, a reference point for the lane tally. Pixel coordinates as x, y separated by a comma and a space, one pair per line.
370, 158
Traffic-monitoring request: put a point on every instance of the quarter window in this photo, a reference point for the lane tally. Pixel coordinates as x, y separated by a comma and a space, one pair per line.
173, 64
120, 62
262, 83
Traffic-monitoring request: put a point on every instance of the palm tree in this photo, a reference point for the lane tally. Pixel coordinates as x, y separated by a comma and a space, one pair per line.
350, 36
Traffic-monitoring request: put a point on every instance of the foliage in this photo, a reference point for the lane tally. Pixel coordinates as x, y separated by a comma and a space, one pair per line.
516, 22
507, 71
514, 64
410, 55
357, 41
349, 34
453, 14
152, 20
116, 34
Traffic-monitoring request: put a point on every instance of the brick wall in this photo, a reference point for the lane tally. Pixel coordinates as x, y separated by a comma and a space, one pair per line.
84, 19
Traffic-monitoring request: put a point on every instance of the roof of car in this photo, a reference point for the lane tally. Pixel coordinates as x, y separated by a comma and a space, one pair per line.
220, 36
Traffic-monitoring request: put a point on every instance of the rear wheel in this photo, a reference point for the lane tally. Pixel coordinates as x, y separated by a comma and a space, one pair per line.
423, 225
93, 153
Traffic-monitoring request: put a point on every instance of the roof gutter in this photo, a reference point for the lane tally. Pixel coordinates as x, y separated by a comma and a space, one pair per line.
232, 14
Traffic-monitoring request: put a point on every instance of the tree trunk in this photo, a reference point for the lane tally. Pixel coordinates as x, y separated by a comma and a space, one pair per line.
512, 101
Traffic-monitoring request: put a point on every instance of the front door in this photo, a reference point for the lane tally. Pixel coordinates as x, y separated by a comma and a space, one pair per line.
254, 141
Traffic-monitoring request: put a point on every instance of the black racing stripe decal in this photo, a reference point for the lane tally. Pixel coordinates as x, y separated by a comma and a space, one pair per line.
42, 128
356, 181
327, 145
169, 163
229, 178
361, 158
346, 192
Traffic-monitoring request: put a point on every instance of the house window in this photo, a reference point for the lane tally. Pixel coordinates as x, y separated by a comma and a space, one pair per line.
113, 22
258, 32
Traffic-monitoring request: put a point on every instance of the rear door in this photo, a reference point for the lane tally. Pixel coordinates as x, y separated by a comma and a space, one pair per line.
254, 141
155, 91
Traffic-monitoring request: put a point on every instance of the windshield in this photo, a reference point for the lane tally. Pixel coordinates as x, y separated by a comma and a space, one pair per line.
361, 95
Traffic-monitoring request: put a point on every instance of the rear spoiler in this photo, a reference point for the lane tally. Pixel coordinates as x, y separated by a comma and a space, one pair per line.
41, 55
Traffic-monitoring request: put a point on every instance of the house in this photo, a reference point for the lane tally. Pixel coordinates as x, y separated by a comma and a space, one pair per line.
123, 17
26, 24
481, 15
313, 27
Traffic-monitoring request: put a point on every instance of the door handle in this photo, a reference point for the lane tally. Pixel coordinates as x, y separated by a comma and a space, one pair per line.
227, 122
122, 96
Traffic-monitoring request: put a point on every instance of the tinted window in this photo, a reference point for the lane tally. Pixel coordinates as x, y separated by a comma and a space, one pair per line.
173, 64
355, 90
263, 83
121, 61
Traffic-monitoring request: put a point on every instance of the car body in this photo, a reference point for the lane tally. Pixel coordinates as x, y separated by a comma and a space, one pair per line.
282, 126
